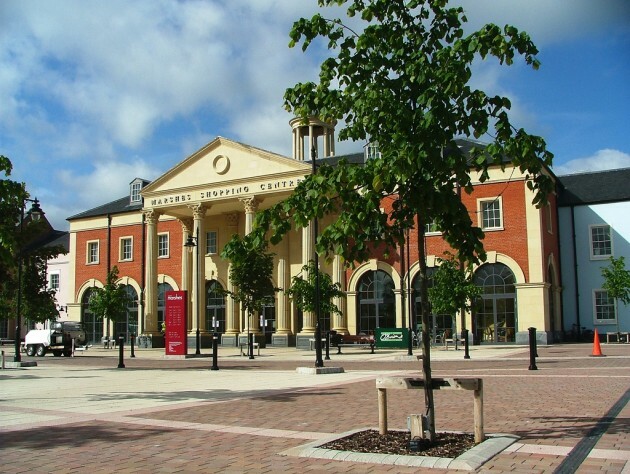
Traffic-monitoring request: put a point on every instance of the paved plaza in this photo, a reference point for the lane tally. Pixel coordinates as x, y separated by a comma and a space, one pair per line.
83, 414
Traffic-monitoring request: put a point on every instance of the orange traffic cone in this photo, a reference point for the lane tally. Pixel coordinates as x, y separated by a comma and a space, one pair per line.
597, 350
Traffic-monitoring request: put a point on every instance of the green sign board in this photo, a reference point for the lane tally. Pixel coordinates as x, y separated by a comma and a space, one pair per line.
392, 337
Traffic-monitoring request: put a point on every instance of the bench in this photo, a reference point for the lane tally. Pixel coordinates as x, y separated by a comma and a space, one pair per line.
347, 340
244, 348
410, 383
5, 340
618, 336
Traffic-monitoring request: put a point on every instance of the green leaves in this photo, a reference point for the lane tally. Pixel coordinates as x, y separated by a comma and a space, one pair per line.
617, 280
111, 301
303, 286
251, 268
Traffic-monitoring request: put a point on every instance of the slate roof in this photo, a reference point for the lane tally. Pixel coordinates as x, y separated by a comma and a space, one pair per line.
118, 206
594, 187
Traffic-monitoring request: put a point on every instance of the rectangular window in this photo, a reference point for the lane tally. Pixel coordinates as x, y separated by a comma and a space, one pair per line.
126, 249
604, 307
92, 252
54, 281
491, 215
135, 192
431, 228
601, 242
211, 242
162, 245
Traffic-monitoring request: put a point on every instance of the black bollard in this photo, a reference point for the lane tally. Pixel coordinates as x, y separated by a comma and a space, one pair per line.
327, 346
250, 343
466, 353
133, 341
532, 349
121, 343
215, 350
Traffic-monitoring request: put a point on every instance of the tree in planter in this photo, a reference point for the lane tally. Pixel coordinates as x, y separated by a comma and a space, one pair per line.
617, 283
453, 289
251, 267
403, 82
302, 291
110, 302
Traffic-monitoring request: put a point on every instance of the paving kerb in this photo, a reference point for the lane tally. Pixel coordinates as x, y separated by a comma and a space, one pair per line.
191, 402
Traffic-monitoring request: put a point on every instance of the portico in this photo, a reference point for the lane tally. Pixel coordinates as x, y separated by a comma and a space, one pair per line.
214, 194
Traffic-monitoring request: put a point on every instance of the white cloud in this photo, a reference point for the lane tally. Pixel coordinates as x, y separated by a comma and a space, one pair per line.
602, 160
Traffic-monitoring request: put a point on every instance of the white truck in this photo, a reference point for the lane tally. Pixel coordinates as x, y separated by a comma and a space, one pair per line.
61, 338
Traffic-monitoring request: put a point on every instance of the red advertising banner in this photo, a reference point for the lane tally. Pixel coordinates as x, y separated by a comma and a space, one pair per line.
176, 317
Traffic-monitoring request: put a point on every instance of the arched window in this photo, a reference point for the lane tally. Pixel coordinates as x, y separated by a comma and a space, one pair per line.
92, 326
215, 306
376, 302
438, 323
495, 313
129, 324
161, 303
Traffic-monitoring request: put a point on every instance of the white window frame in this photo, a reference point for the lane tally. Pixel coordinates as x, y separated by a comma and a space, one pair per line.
549, 219
168, 240
590, 240
121, 245
134, 193
428, 226
88, 254
57, 274
210, 251
597, 320
480, 209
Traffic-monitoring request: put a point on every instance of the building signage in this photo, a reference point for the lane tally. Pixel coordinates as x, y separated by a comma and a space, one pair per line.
393, 337
224, 192
176, 318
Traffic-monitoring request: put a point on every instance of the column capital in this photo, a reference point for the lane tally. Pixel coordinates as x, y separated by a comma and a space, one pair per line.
187, 225
151, 216
199, 210
250, 203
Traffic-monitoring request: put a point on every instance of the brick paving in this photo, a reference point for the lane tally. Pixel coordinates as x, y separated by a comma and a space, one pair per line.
204, 430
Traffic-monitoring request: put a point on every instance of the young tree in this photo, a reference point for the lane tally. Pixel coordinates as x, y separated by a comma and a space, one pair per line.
403, 82
453, 289
251, 267
111, 301
617, 282
302, 291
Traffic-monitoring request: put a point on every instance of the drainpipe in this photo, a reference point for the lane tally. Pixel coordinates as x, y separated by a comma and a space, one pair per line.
143, 275
109, 258
575, 274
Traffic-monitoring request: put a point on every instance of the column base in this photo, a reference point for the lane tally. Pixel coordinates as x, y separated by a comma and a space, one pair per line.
543, 338
282, 340
303, 341
151, 341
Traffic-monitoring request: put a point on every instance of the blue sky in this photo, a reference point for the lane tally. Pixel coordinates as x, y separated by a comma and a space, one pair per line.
94, 94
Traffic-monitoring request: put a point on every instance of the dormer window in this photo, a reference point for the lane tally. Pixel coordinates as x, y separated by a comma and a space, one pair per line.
372, 151
134, 195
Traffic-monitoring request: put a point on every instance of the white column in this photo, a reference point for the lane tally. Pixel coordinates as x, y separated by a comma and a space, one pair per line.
340, 322
308, 317
251, 206
150, 291
232, 319
283, 325
198, 269
187, 225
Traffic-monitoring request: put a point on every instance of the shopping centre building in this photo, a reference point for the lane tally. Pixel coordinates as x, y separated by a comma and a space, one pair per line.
216, 192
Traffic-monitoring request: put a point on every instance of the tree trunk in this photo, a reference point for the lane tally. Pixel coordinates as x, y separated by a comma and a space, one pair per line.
426, 336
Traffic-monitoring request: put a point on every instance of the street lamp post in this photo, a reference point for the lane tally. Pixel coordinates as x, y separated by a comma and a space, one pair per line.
319, 362
36, 213
190, 243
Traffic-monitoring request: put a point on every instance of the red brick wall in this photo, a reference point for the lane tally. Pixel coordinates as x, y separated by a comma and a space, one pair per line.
170, 266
